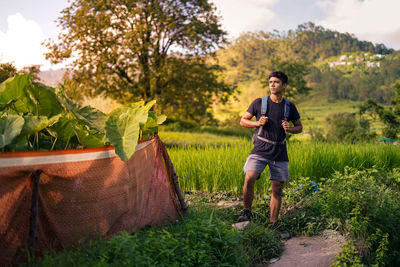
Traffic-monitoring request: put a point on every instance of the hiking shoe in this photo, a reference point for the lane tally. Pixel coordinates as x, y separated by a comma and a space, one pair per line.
244, 216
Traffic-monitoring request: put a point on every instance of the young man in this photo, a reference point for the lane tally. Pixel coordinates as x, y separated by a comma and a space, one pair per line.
269, 144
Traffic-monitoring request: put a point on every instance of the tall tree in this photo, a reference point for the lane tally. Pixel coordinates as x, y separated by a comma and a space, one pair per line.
122, 47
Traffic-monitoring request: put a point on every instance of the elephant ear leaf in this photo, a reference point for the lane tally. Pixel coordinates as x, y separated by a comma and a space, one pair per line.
140, 113
151, 126
88, 139
93, 117
161, 119
122, 129
149, 105
16, 88
136, 105
34, 124
10, 127
45, 99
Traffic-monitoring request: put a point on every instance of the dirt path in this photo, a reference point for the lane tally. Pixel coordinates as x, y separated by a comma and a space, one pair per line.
314, 251
310, 251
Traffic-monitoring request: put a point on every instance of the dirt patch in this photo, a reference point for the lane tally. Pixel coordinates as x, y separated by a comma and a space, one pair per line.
310, 251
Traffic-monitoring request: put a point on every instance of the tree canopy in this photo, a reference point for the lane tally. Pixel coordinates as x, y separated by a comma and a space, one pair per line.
124, 48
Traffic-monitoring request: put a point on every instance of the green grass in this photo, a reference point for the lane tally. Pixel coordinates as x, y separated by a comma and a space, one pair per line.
198, 139
210, 168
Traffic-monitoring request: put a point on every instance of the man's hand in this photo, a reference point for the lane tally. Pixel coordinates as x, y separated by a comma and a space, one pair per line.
263, 120
285, 125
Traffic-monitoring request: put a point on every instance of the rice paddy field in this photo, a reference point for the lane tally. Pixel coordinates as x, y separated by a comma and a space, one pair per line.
209, 167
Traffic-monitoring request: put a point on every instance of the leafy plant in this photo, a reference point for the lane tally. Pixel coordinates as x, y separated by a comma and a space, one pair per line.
36, 117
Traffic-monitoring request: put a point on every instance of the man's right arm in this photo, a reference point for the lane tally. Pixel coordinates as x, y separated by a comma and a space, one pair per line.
247, 122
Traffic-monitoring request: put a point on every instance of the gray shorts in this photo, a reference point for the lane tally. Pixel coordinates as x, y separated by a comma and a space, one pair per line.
278, 170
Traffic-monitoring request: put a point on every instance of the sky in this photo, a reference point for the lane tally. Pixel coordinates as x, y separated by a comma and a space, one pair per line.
25, 24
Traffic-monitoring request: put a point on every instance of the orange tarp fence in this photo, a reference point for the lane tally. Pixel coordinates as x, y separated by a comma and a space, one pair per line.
83, 193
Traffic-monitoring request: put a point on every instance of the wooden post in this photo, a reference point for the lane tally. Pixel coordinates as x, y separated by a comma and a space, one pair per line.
35, 176
174, 177
178, 190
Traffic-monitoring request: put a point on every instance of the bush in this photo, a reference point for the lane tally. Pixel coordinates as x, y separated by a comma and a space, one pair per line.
199, 240
179, 125
346, 127
364, 204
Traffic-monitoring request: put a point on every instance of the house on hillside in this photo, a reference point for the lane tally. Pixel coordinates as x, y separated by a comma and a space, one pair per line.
360, 59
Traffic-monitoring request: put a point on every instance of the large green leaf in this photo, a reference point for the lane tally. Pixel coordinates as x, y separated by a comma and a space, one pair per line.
139, 104
16, 88
88, 139
122, 129
10, 127
45, 100
151, 126
149, 105
140, 113
63, 129
34, 124
93, 117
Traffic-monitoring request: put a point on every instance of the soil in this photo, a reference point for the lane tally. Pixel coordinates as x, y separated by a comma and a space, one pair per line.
311, 251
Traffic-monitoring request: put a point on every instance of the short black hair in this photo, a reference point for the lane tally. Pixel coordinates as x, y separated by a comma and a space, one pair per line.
280, 75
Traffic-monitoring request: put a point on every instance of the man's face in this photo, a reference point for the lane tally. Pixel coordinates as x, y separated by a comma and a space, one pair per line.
276, 86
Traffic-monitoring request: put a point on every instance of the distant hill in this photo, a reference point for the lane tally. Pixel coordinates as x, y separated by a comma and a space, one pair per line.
51, 77
339, 66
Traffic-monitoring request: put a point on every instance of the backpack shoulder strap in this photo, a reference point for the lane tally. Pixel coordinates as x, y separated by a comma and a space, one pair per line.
264, 105
287, 109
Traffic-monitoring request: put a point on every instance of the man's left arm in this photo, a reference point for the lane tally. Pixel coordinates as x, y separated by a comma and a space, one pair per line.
296, 128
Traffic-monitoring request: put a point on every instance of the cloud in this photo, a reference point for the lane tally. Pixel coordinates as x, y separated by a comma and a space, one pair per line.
239, 16
373, 20
21, 43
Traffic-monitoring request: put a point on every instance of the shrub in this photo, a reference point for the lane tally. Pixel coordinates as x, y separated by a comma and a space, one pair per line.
199, 240
364, 204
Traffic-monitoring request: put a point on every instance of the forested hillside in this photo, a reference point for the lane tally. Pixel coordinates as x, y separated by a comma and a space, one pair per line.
333, 65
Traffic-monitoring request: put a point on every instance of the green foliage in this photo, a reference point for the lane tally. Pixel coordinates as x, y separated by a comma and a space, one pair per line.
131, 50
33, 117
389, 116
346, 127
201, 239
122, 129
315, 42
89, 115
10, 127
348, 257
367, 204
364, 204
357, 81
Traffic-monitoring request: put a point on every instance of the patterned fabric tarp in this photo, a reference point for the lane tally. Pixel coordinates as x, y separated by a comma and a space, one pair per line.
83, 193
